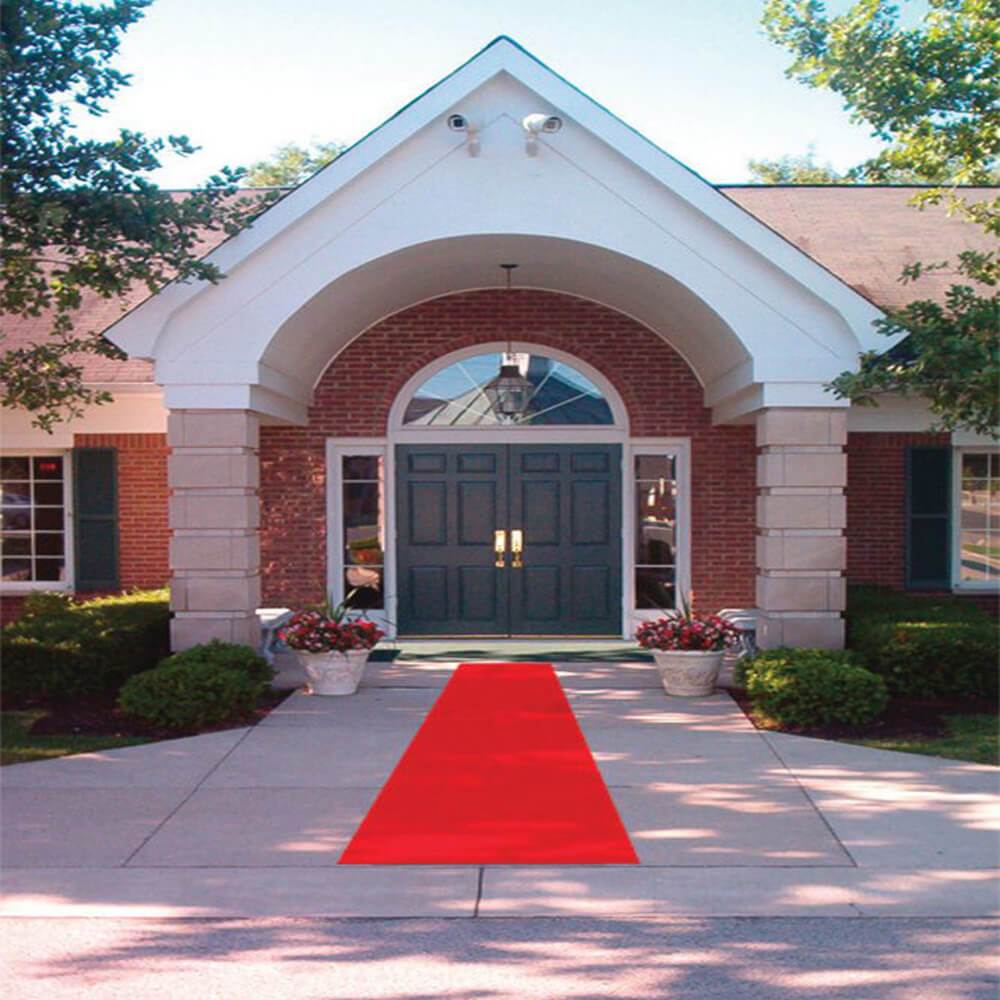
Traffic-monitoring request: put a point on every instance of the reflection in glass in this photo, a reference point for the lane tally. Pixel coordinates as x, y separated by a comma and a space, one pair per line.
47, 467
15, 545
654, 588
367, 582
654, 467
455, 396
16, 570
14, 468
655, 522
362, 467
362, 519
48, 569
16, 518
980, 517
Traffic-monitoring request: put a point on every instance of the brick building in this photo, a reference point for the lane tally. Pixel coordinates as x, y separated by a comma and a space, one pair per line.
372, 404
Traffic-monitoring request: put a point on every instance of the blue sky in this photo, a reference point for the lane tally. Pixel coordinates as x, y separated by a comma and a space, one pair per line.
240, 77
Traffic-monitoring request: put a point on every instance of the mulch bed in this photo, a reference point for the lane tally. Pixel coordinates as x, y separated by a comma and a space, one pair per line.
102, 717
904, 717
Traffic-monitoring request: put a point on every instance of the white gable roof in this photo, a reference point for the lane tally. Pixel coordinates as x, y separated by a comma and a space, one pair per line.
606, 213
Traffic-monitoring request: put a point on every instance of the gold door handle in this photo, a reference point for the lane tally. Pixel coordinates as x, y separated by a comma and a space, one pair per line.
517, 548
499, 548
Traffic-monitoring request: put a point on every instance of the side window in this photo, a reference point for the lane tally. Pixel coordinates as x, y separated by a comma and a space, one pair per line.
362, 511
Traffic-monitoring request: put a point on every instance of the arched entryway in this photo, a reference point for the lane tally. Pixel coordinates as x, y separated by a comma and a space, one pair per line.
465, 520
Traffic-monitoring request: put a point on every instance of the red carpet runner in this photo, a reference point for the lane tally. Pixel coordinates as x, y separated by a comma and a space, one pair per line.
499, 773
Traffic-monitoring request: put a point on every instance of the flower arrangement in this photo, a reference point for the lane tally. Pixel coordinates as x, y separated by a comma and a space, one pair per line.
686, 631
327, 629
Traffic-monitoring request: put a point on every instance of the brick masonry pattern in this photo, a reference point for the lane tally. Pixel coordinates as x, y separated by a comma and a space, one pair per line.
661, 393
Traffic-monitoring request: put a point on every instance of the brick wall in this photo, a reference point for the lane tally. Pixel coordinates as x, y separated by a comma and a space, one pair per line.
661, 393
143, 532
876, 505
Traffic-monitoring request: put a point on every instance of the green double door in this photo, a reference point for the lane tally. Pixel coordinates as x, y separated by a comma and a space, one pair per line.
464, 510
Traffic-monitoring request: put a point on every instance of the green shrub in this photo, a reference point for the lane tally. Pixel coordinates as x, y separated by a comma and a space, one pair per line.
189, 695
226, 656
931, 659
814, 687
62, 650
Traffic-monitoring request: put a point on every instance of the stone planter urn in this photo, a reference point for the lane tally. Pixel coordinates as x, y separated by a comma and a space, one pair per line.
688, 673
333, 673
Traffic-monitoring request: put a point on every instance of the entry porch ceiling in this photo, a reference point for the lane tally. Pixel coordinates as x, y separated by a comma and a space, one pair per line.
325, 325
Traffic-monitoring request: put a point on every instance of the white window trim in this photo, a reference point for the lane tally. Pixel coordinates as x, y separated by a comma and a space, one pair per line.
67, 585
957, 583
337, 448
680, 450
404, 433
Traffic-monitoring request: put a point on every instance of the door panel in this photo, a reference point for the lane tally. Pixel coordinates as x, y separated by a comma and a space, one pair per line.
451, 499
566, 499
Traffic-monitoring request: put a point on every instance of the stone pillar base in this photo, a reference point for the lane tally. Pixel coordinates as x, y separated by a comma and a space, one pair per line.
187, 630
815, 631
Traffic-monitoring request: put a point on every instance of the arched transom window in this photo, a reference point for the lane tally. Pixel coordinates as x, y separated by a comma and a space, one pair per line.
464, 394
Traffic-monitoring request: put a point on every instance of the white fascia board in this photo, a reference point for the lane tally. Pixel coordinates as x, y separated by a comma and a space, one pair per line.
771, 395
138, 331
233, 371
213, 396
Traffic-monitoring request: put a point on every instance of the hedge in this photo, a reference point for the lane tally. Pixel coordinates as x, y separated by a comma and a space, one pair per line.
813, 687
931, 659
204, 685
60, 650
184, 696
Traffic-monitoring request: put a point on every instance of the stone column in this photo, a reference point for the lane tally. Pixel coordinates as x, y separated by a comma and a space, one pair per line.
214, 472
801, 516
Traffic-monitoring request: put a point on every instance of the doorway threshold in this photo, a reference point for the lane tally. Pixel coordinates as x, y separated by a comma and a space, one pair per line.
548, 649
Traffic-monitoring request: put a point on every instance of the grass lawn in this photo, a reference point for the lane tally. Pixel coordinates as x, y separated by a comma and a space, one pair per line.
974, 738
18, 746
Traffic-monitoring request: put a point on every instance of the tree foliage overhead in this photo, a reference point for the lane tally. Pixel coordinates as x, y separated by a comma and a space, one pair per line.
931, 92
292, 164
80, 216
800, 169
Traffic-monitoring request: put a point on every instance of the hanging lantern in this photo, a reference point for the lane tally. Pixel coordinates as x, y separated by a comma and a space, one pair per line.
509, 393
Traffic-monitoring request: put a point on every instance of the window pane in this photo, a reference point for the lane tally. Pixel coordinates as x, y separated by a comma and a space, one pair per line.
654, 588
995, 465
362, 524
16, 570
980, 555
16, 545
16, 518
364, 585
48, 494
654, 467
975, 465
13, 468
556, 394
362, 467
48, 467
48, 519
48, 569
655, 522
13, 494
49, 544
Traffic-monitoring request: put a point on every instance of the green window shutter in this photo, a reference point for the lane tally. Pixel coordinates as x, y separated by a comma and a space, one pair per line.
928, 518
95, 518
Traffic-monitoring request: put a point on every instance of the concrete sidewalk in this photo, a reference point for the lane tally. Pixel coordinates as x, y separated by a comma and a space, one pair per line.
727, 821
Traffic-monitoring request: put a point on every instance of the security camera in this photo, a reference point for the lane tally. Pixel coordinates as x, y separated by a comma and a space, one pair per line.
538, 123
459, 123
